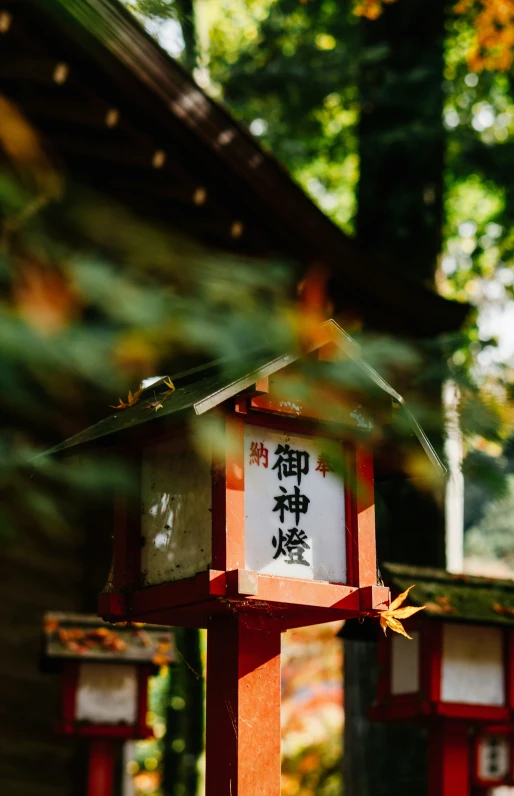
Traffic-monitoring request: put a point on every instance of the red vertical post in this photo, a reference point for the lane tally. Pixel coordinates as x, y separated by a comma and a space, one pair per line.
449, 759
365, 555
101, 768
243, 708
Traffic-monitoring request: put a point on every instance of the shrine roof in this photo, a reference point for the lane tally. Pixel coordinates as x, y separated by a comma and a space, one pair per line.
451, 597
85, 637
126, 119
201, 389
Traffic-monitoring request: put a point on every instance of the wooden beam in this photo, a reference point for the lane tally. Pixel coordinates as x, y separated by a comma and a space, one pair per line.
243, 708
37, 70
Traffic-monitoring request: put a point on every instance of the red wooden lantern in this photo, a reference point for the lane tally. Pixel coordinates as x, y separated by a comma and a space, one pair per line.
269, 525
456, 674
105, 673
460, 662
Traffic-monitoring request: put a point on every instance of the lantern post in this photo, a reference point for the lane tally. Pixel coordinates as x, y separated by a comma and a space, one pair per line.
105, 672
269, 526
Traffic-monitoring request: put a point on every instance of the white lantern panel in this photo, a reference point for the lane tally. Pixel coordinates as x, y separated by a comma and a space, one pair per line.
472, 665
404, 664
176, 522
493, 758
107, 693
294, 507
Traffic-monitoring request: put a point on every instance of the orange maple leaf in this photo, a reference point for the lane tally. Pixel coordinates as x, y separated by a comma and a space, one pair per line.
391, 617
132, 400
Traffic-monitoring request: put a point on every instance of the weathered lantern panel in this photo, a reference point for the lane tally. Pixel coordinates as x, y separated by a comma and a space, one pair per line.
405, 664
106, 693
294, 507
473, 665
176, 512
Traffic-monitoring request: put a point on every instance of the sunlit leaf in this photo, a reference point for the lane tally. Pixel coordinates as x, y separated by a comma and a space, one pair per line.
391, 617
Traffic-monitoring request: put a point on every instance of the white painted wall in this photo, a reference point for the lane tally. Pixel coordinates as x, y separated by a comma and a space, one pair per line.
107, 693
176, 518
472, 665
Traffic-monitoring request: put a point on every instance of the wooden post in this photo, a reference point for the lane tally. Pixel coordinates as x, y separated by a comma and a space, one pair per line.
101, 768
243, 708
449, 762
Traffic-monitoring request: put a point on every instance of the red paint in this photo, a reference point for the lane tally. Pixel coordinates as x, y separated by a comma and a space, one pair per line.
101, 768
69, 725
350, 514
235, 495
177, 593
457, 710
365, 555
69, 692
102, 731
228, 500
449, 759
243, 708
431, 653
143, 675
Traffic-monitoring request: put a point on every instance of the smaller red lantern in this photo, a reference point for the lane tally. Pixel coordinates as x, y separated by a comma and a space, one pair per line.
459, 662
104, 684
456, 675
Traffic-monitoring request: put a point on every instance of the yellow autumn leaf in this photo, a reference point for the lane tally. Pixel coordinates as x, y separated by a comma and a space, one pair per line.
391, 617
132, 400
168, 382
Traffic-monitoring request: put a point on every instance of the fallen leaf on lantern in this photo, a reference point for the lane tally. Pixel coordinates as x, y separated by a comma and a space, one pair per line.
51, 625
503, 609
132, 400
154, 405
168, 382
391, 617
160, 660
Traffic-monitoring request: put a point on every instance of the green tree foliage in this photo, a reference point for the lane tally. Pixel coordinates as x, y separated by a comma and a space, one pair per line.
491, 538
289, 71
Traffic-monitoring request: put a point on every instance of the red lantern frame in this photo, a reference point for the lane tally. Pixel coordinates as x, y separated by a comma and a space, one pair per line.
69, 725
293, 602
427, 701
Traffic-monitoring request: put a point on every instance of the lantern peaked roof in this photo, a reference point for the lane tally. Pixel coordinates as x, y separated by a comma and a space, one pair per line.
85, 637
453, 598
125, 118
201, 389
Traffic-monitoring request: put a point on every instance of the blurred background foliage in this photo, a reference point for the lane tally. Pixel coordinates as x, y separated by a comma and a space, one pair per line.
294, 72
77, 330
297, 74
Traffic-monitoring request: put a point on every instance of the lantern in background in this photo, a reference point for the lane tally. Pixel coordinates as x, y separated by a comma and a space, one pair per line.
105, 672
267, 524
456, 674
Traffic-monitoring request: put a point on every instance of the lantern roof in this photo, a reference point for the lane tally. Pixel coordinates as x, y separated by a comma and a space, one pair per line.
125, 118
71, 636
454, 598
201, 389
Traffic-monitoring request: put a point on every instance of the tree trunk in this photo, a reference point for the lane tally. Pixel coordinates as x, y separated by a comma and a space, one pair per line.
402, 142
400, 218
